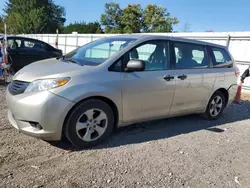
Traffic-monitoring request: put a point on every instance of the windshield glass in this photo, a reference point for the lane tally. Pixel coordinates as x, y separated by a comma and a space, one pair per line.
97, 52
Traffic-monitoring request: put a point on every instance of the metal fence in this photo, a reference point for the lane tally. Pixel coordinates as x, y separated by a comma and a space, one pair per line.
237, 42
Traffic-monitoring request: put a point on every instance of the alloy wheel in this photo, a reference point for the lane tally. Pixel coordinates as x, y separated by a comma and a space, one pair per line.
91, 125
216, 106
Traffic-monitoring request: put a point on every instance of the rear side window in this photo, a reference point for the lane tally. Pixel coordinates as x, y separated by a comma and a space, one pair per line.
221, 57
30, 44
190, 56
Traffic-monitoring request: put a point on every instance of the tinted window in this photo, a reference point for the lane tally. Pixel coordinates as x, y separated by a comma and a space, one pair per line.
14, 43
220, 56
188, 56
154, 54
34, 44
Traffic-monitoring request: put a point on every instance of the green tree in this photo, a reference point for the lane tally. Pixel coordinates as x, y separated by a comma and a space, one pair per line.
157, 19
131, 19
134, 19
111, 19
55, 16
83, 27
1, 25
33, 16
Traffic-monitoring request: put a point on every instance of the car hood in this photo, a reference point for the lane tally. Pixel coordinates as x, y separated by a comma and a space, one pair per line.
49, 68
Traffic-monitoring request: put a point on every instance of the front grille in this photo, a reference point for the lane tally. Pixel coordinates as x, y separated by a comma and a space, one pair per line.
17, 87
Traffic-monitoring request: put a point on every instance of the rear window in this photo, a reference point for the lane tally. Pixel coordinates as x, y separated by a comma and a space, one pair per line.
221, 57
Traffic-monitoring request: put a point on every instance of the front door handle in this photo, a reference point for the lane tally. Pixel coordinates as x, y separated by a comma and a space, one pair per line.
168, 77
182, 77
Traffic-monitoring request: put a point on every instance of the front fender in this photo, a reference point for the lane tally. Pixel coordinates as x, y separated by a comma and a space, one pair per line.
77, 93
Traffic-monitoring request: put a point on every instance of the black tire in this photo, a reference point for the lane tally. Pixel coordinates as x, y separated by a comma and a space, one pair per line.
70, 125
207, 115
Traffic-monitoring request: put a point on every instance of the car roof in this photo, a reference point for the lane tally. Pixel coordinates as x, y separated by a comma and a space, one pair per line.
140, 37
158, 36
20, 37
23, 37
2, 36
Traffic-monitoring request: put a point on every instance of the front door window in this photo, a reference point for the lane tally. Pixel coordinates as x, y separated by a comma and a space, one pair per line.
14, 43
154, 54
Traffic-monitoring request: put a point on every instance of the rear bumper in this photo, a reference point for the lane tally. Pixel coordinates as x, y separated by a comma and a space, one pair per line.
232, 91
43, 108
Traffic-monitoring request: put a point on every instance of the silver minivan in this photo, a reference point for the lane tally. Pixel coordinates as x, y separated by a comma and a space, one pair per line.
120, 80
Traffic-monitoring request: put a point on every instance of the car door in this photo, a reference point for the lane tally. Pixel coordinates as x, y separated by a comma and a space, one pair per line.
31, 51
25, 53
148, 94
194, 78
13, 49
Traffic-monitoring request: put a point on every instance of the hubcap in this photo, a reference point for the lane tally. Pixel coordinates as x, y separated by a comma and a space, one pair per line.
91, 125
216, 106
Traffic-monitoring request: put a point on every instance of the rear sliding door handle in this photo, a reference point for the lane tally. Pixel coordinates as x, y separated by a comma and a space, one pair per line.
182, 77
168, 77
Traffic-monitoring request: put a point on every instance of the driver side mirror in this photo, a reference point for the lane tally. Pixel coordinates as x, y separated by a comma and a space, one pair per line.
135, 65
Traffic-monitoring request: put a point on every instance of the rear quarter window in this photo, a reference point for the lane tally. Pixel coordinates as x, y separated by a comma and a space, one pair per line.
221, 57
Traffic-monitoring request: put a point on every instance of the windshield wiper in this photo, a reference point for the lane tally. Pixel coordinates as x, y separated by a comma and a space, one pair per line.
68, 59
71, 60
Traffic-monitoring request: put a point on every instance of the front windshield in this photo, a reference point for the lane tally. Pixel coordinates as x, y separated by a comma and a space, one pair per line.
97, 52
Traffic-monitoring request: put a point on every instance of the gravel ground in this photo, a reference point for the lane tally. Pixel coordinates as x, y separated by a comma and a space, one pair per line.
177, 152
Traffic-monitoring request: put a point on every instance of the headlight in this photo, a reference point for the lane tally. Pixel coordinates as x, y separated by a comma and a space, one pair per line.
46, 84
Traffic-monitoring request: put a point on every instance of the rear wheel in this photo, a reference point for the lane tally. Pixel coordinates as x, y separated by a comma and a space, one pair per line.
89, 123
215, 106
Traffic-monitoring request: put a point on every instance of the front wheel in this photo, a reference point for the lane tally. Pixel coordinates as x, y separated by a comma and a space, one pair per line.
90, 123
215, 106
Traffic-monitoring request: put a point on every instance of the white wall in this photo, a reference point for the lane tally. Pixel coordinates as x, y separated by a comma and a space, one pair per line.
239, 43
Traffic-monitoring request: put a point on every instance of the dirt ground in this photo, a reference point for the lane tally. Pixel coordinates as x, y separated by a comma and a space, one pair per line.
178, 152
245, 96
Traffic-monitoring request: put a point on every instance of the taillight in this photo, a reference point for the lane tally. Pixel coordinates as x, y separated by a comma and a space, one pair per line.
237, 73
